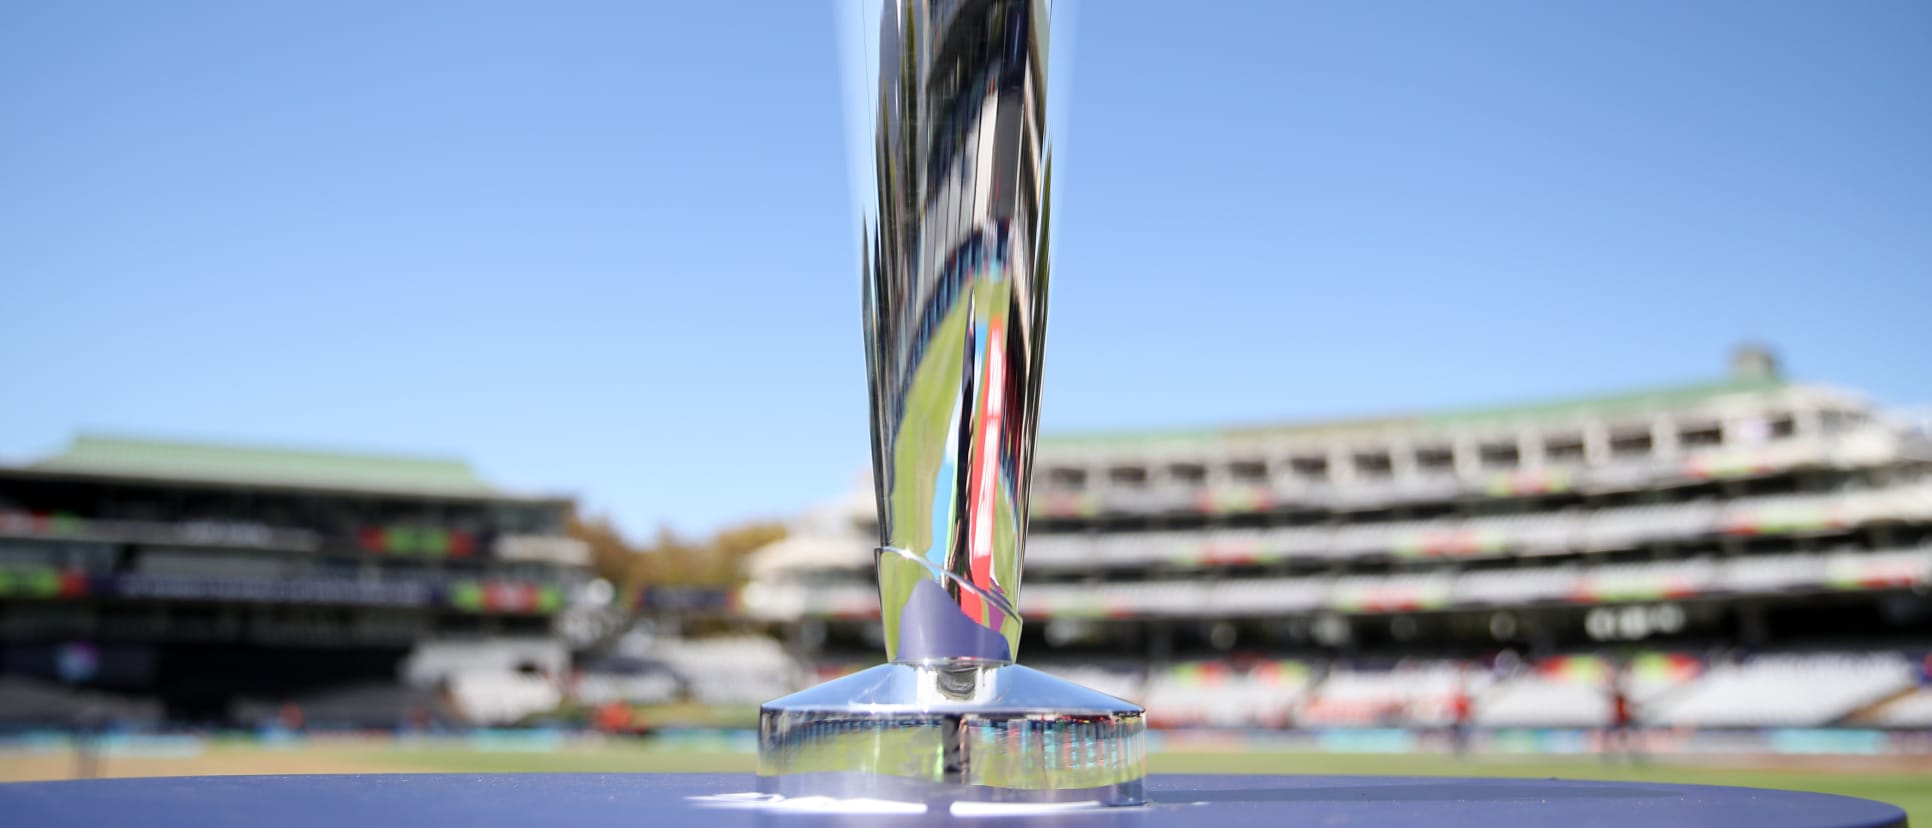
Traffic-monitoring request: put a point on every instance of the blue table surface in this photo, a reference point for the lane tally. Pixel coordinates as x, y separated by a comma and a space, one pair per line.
667, 801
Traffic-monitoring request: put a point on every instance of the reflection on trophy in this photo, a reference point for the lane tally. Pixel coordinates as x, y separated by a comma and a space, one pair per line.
955, 242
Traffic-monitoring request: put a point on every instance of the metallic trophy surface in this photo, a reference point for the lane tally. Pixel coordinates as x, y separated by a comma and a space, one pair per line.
955, 240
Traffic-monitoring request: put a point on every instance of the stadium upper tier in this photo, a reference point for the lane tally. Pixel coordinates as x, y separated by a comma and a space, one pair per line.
142, 522
1748, 487
1574, 529
1654, 440
1263, 596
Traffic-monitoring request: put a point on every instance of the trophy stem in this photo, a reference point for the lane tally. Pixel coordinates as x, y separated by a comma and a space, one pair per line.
954, 248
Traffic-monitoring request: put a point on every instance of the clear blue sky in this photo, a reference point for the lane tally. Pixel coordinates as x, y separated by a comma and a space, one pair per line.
605, 248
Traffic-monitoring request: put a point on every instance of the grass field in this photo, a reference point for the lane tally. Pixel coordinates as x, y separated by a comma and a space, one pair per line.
1906, 784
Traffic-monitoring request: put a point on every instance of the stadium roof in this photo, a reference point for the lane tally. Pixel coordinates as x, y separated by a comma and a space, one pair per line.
126, 457
1610, 405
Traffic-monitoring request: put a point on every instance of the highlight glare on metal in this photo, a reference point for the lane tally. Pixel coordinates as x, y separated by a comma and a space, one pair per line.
955, 268
955, 212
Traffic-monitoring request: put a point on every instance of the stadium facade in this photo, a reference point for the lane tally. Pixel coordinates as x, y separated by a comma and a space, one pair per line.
1532, 557
219, 584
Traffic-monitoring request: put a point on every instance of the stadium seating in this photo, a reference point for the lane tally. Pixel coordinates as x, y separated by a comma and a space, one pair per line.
1647, 581
1268, 596
1786, 690
502, 698
1913, 710
1125, 681
1218, 694
1894, 567
1507, 587
1666, 689
1529, 583
1396, 537
1524, 534
1419, 693
362, 706
1071, 551
733, 670
633, 683
1575, 691
1771, 573
433, 661
1785, 514
1533, 533
1540, 701
1301, 541
1392, 593
496, 681
26, 703
1628, 527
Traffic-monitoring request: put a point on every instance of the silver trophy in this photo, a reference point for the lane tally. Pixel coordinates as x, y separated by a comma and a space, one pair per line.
955, 240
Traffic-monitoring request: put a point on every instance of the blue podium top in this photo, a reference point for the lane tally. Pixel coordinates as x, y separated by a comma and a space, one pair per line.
674, 800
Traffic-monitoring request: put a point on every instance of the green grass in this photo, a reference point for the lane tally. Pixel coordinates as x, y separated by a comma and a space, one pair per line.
1907, 789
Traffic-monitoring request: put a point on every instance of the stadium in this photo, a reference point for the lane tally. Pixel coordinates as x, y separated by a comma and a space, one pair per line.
1723, 572
1736, 565
1725, 582
148, 584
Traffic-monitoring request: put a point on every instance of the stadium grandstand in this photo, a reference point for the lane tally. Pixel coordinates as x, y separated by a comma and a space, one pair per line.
1750, 552
146, 581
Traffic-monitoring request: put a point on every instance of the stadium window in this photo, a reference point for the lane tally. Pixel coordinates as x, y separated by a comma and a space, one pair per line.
1185, 522
1432, 509
1833, 421
1782, 426
1066, 479
1246, 520
91, 557
460, 625
1372, 516
1373, 465
1435, 459
1500, 455
524, 626
1698, 436
1631, 444
1128, 476
1311, 468
1566, 449
28, 554
546, 520
1192, 474
1248, 471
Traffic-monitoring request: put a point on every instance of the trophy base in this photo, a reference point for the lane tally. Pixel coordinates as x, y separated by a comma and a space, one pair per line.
953, 730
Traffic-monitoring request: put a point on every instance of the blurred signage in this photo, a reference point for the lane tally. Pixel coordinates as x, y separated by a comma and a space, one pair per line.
241, 534
292, 591
688, 599
41, 582
504, 596
417, 540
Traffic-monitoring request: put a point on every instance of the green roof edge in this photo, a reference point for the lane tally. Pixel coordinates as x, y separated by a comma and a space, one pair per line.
146, 457
1650, 398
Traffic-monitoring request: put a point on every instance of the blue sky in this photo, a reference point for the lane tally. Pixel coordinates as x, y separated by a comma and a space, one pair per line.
605, 248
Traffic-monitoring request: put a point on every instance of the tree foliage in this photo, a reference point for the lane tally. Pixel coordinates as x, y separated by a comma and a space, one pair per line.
670, 559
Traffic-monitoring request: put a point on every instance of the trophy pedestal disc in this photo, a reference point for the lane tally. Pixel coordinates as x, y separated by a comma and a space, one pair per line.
953, 730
